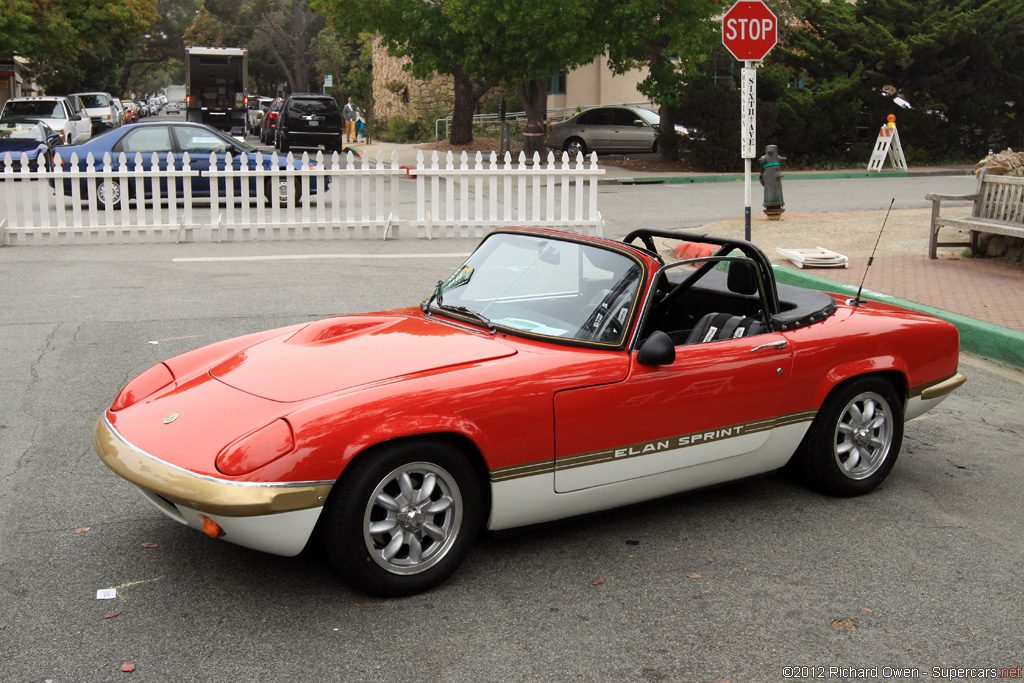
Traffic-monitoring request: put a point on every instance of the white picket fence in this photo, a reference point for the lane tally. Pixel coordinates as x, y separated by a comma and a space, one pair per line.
362, 198
482, 197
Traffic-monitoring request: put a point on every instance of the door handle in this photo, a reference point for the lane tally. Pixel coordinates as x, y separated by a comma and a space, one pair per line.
781, 344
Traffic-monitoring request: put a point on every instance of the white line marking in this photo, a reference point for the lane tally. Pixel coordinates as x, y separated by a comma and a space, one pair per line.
297, 257
191, 336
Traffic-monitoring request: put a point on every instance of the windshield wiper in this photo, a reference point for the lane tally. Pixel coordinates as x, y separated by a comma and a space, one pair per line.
438, 296
469, 313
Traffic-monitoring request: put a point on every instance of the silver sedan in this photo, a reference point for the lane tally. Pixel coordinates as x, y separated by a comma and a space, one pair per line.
607, 129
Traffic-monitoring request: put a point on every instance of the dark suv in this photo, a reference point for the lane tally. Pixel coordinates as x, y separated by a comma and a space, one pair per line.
309, 120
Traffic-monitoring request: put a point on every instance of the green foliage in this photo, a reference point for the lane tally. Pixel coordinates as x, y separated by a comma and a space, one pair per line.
76, 44
400, 129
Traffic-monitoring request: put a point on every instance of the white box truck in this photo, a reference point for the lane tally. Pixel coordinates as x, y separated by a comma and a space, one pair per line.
215, 92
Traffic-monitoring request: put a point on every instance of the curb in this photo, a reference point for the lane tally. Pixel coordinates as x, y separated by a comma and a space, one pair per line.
996, 343
794, 175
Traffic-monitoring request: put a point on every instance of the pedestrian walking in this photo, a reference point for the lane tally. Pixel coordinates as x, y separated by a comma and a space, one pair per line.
350, 121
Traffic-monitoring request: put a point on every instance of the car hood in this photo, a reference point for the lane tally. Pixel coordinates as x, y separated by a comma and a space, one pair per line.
347, 352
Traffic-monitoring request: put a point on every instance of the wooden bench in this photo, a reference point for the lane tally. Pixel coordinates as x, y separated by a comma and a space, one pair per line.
998, 209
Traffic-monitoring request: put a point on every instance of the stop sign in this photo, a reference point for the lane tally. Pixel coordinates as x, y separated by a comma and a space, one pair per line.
749, 30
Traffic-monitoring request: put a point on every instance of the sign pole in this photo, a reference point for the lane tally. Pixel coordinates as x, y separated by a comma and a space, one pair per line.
748, 136
749, 32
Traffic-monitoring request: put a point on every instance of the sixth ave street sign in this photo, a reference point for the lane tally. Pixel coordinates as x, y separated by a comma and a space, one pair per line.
749, 30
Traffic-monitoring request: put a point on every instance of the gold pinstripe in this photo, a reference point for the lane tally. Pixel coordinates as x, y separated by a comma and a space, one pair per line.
608, 454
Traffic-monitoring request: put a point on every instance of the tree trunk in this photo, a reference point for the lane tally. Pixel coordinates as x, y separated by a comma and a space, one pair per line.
534, 95
299, 59
467, 97
668, 140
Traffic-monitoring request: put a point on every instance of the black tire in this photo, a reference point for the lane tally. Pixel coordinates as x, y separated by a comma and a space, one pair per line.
574, 143
282, 144
352, 507
839, 455
115, 191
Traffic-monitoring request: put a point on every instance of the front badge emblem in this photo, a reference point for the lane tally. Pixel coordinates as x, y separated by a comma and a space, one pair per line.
170, 418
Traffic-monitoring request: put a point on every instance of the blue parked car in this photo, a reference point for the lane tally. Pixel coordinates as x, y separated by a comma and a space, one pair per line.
173, 139
30, 137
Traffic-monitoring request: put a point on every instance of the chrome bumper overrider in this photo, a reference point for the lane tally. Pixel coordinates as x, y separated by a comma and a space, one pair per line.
946, 386
201, 492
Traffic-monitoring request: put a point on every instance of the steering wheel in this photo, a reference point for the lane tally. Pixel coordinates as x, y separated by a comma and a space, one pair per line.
606, 322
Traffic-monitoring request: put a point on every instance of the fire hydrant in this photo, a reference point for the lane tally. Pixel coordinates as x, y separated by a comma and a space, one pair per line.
771, 180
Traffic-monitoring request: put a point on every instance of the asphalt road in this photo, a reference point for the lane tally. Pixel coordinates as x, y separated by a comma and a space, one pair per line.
733, 583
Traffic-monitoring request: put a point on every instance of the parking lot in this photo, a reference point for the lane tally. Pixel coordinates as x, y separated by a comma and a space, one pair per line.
734, 583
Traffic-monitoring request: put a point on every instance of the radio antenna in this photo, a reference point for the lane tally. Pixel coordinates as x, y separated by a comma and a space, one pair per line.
871, 259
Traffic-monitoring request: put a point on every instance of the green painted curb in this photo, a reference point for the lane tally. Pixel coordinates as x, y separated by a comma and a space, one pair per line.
738, 177
792, 175
996, 343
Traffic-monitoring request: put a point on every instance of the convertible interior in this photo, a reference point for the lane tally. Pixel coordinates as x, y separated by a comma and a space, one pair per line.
729, 295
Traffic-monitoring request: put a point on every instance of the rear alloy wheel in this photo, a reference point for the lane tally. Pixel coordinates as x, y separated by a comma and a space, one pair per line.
854, 440
575, 147
402, 518
115, 194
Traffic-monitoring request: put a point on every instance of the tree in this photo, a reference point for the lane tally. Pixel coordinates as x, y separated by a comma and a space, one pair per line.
78, 44
278, 33
670, 38
160, 58
482, 43
524, 44
424, 32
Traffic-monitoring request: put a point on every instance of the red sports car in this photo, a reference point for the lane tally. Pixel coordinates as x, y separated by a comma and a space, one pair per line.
551, 375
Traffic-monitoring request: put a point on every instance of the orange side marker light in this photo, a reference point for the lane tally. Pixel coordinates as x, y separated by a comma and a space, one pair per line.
211, 528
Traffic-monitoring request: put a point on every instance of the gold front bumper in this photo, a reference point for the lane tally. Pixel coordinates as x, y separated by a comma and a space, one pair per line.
201, 492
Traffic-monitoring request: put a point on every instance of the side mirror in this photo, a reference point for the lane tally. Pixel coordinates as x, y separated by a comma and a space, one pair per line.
657, 349
638, 123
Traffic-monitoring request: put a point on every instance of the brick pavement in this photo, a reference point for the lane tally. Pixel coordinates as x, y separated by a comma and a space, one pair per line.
983, 289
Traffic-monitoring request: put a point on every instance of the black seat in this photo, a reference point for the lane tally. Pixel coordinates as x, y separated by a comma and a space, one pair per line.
715, 326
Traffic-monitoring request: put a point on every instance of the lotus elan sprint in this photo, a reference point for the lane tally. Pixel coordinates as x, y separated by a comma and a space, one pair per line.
550, 375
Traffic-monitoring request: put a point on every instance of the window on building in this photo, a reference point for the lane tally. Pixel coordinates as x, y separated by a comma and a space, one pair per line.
557, 84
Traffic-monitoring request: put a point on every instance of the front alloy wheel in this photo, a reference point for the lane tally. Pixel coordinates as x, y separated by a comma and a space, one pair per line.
402, 516
412, 518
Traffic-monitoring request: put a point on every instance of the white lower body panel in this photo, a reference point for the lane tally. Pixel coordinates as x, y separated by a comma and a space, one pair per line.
918, 406
284, 533
532, 499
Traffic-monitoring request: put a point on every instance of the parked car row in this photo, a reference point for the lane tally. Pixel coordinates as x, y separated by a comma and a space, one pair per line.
73, 118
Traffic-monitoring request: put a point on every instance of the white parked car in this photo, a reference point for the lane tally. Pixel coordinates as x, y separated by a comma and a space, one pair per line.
99, 106
54, 111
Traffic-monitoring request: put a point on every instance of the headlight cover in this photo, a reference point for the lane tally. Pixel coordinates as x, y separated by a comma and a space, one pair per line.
146, 384
257, 449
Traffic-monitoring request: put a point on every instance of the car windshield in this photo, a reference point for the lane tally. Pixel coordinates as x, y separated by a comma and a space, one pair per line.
98, 100
20, 131
649, 116
547, 287
44, 109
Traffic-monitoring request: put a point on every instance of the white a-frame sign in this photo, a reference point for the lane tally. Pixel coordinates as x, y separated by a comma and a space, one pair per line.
888, 144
